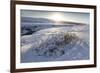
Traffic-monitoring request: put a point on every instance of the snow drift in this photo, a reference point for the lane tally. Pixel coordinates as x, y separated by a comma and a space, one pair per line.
55, 43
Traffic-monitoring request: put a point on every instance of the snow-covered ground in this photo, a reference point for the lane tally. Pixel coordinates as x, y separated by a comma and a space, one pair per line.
56, 44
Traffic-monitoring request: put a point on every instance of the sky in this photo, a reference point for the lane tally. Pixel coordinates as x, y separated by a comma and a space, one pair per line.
58, 15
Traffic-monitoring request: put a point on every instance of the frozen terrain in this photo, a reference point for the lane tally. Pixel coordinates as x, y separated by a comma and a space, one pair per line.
52, 42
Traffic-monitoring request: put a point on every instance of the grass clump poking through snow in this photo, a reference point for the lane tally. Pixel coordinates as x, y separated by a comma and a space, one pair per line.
68, 37
55, 46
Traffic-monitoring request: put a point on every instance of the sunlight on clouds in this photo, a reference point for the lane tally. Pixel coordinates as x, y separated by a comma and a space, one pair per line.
57, 17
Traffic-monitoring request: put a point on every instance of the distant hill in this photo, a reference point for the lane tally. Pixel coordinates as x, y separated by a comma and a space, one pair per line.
30, 25
45, 20
36, 20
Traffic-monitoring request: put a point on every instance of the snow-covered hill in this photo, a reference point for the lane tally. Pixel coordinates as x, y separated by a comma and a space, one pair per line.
30, 25
56, 44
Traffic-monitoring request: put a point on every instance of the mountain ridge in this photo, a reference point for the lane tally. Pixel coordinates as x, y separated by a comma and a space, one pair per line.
46, 20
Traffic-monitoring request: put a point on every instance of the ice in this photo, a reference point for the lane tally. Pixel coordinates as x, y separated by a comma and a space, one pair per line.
54, 43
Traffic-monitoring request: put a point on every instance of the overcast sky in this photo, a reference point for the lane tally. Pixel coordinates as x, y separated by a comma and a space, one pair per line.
66, 16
